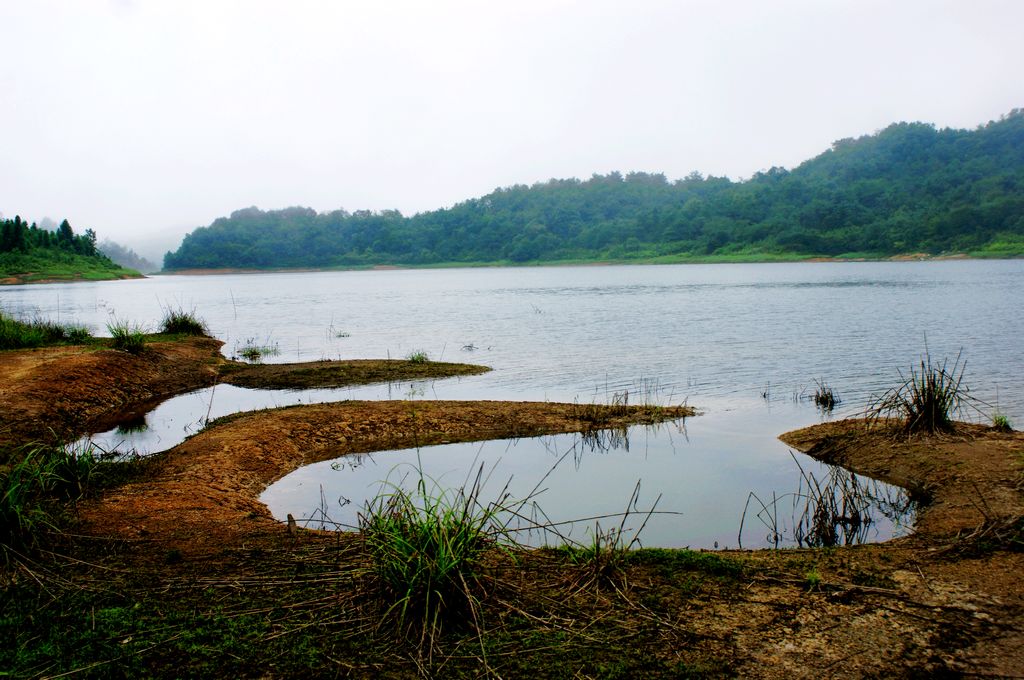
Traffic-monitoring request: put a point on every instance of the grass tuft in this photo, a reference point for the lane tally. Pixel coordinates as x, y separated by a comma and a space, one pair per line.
427, 547
71, 470
812, 581
127, 337
928, 399
418, 357
180, 322
254, 352
603, 560
1001, 423
42, 479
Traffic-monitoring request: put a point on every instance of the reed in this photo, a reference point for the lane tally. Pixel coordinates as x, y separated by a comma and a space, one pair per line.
825, 398
928, 399
837, 509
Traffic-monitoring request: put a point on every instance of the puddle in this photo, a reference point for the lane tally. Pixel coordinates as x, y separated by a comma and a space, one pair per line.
572, 483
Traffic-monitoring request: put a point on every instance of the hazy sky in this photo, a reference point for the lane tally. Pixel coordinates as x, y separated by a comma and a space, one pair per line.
143, 118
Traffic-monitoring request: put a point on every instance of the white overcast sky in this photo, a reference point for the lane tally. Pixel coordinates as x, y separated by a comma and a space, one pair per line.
143, 119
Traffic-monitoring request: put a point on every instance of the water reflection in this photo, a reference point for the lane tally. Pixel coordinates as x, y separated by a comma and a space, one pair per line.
133, 425
649, 484
174, 420
829, 510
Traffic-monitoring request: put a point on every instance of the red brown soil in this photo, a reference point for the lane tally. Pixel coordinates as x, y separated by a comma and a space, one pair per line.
203, 494
55, 393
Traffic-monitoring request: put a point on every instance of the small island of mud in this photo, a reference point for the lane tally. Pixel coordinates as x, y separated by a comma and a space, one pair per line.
340, 373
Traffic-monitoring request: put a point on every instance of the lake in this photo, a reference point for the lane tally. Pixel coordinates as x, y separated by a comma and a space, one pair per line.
743, 343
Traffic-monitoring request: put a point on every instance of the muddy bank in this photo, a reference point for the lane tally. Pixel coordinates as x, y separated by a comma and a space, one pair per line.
341, 373
961, 479
949, 597
940, 601
59, 393
202, 495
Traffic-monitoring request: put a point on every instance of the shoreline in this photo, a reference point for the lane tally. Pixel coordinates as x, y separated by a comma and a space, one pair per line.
910, 257
19, 280
945, 599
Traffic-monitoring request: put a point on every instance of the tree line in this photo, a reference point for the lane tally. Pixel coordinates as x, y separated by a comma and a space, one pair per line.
908, 188
16, 236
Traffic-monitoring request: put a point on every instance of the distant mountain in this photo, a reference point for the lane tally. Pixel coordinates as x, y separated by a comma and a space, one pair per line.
126, 257
910, 188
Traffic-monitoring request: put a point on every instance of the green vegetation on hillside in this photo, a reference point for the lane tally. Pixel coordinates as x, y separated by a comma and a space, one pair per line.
909, 188
29, 253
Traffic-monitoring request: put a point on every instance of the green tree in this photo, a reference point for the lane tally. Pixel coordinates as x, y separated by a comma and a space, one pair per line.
65, 235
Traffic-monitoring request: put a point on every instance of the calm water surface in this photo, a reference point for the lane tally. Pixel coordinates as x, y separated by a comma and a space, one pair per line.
717, 336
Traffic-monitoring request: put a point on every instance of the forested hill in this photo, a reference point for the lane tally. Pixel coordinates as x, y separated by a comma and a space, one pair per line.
909, 188
31, 253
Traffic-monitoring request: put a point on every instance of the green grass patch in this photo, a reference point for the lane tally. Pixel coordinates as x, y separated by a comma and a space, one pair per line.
294, 613
56, 265
178, 321
1004, 244
21, 334
672, 561
127, 337
427, 547
418, 357
39, 480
